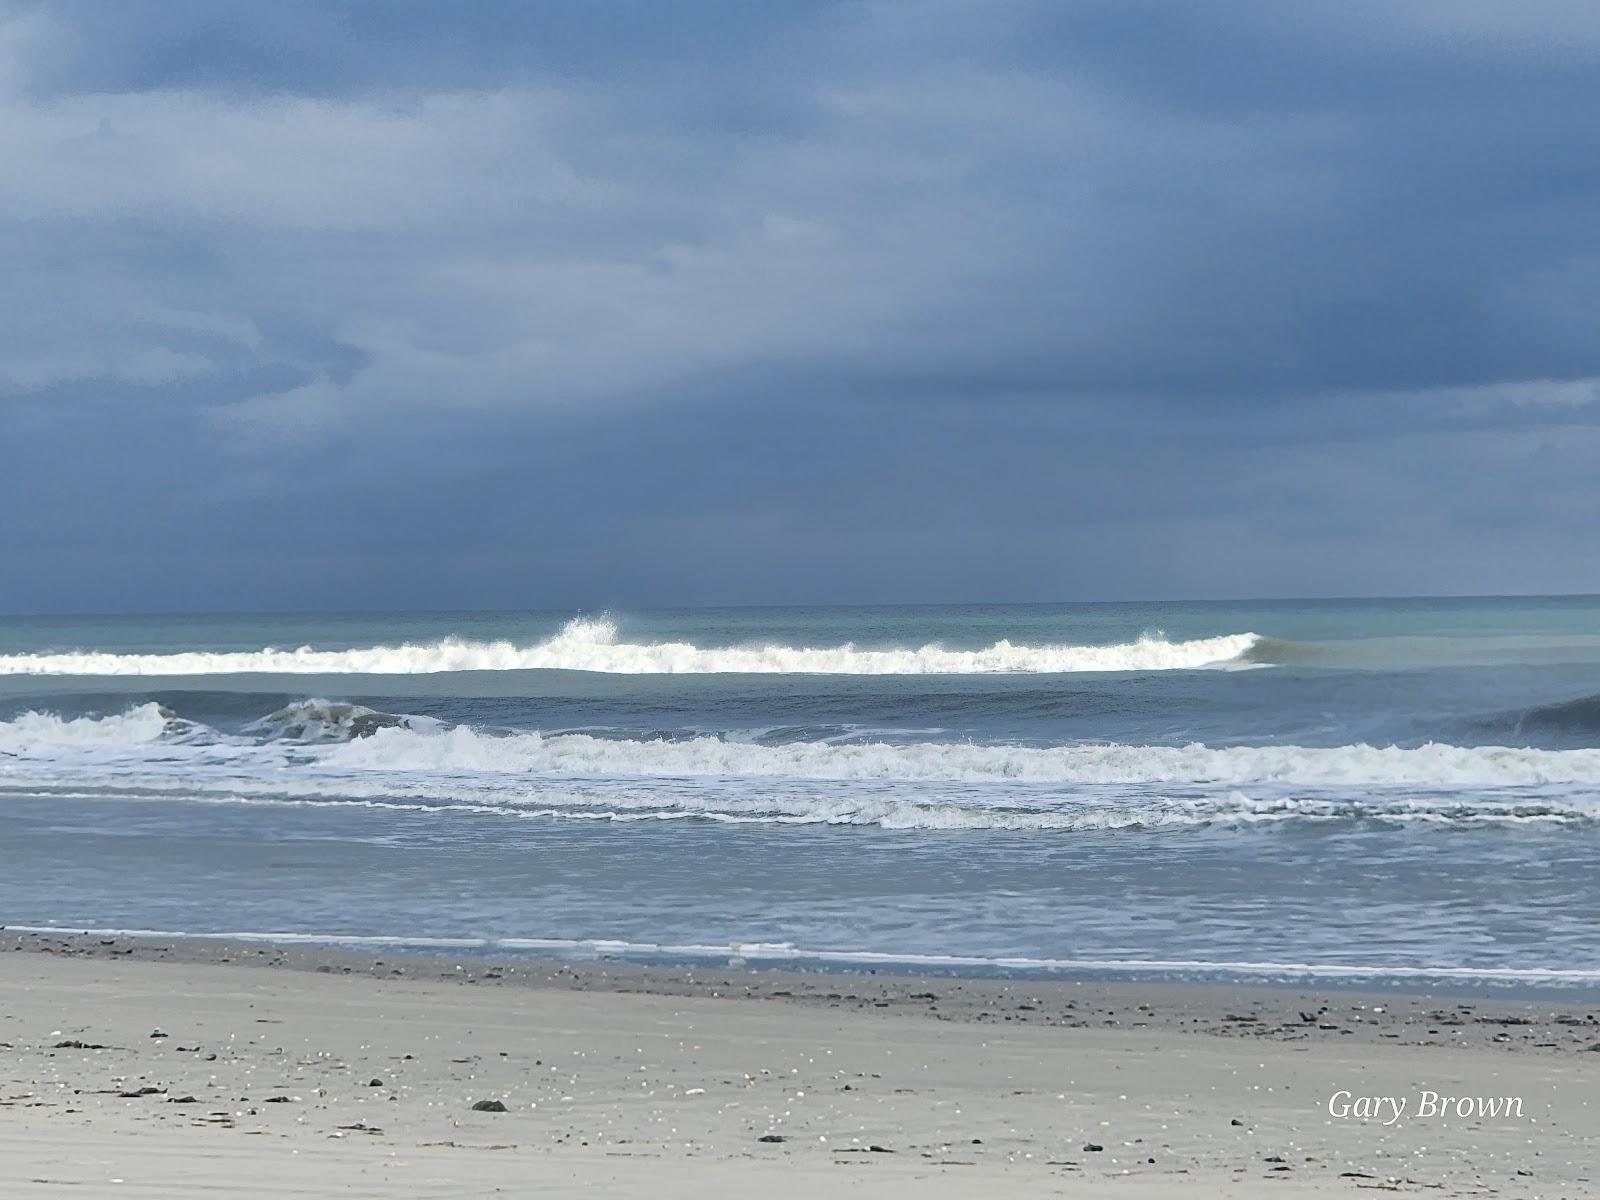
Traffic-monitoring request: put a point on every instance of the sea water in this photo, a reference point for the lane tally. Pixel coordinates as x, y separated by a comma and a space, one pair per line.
1374, 790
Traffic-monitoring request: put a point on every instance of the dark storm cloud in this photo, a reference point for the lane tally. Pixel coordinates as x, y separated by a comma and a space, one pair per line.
407, 304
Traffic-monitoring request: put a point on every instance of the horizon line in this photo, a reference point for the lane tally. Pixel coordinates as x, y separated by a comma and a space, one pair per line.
581, 609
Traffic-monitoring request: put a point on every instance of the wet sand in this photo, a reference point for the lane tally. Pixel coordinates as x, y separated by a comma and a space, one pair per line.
313, 1072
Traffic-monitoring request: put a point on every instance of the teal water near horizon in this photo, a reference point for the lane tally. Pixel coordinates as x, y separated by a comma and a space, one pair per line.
968, 625
1372, 789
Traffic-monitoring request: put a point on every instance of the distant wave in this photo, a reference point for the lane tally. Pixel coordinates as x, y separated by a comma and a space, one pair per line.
592, 645
1399, 652
1581, 715
1270, 651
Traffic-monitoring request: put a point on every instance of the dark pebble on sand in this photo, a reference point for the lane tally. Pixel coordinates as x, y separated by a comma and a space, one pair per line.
374, 1083
1093, 1147
772, 1137
488, 1106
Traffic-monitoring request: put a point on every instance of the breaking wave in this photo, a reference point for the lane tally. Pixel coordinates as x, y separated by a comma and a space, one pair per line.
1578, 716
1400, 652
338, 754
351, 741
592, 645
1429, 766
316, 721
139, 725
310, 722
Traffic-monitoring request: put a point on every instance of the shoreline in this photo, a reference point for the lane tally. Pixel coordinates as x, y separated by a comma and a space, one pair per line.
1553, 1019
328, 1072
1577, 985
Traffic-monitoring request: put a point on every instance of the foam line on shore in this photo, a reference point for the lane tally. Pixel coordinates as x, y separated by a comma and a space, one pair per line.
786, 952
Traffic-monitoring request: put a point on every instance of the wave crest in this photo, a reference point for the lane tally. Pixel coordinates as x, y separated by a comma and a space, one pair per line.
140, 724
1431, 766
335, 753
1581, 715
317, 721
592, 645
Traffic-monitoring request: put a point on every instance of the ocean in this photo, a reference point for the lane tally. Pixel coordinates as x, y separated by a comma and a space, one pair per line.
1369, 790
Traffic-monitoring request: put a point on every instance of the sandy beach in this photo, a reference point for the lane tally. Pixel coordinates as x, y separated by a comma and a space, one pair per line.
137, 1067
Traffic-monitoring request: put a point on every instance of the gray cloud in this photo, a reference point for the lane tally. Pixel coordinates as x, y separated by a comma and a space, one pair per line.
800, 301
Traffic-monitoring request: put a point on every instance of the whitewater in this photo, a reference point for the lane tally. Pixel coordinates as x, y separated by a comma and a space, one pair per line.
354, 737
593, 645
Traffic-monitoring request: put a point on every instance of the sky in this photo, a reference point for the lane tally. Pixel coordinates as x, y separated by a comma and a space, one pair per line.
617, 304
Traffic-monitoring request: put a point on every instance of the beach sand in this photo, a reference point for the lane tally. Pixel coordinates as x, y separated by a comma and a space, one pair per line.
309, 1072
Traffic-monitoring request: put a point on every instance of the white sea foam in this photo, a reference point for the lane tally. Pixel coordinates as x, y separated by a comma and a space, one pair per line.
332, 721
1093, 814
421, 746
789, 952
408, 765
463, 749
592, 645
139, 725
